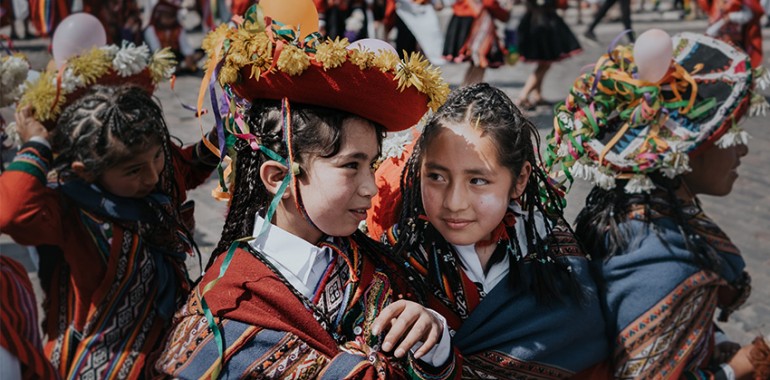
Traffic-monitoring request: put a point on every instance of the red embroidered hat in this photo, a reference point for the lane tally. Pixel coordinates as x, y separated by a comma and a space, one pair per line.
264, 58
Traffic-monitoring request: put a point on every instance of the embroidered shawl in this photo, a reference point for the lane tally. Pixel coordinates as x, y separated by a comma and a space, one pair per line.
659, 303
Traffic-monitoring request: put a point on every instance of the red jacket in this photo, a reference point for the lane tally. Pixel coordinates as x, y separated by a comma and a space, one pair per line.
35, 214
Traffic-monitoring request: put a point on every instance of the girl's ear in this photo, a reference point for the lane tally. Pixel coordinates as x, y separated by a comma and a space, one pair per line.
520, 183
272, 174
79, 168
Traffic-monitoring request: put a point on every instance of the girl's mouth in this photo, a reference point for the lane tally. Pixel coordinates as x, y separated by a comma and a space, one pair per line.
456, 224
359, 213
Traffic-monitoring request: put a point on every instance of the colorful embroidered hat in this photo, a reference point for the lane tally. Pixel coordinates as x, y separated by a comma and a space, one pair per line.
107, 65
615, 127
263, 58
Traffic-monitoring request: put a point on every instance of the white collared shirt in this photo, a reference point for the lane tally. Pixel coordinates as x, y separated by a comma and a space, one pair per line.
474, 271
303, 264
498, 270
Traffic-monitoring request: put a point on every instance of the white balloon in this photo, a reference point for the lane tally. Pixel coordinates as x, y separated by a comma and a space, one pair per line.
653, 54
76, 34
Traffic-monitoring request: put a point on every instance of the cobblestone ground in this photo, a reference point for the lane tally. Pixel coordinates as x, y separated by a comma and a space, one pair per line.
744, 214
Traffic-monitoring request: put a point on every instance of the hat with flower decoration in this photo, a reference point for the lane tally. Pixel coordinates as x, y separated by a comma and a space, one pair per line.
265, 57
615, 127
109, 65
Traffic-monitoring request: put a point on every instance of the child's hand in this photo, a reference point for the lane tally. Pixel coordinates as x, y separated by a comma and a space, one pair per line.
27, 126
725, 351
409, 323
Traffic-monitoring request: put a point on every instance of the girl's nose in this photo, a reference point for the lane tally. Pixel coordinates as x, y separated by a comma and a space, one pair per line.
455, 199
369, 187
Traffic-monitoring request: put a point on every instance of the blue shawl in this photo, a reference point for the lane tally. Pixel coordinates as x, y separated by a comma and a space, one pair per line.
658, 302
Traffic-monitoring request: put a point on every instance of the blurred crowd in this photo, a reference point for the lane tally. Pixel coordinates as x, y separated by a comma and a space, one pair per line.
484, 33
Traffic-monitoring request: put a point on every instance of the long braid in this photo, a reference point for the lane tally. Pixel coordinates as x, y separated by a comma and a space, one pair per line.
249, 195
605, 210
706, 256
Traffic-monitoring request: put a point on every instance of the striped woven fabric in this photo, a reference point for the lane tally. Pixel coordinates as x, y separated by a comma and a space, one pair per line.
19, 329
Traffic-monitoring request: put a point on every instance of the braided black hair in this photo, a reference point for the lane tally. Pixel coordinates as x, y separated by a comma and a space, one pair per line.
108, 125
517, 142
600, 221
316, 131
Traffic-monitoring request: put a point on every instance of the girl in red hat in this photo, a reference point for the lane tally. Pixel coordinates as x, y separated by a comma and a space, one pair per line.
293, 288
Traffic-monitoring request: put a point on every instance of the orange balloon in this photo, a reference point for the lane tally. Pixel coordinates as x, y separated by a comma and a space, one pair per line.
299, 13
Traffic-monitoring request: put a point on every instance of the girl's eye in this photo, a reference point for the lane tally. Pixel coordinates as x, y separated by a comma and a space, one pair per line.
351, 165
479, 181
132, 172
435, 177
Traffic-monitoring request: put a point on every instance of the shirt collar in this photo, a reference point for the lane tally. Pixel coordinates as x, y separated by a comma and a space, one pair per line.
293, 256
497, 271
475, 273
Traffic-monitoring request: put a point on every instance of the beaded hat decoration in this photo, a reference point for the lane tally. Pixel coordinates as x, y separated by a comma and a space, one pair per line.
614, 126
109, 65
262, 58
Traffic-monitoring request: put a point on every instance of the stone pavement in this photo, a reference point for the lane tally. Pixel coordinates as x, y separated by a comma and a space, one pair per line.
744, 214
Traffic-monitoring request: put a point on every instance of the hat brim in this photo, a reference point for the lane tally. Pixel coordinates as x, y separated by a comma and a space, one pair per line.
722, 72
368, 93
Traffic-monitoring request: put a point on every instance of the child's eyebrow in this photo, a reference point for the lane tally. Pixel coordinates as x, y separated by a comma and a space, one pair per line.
132, 166
355, 156
472, 171
435, 166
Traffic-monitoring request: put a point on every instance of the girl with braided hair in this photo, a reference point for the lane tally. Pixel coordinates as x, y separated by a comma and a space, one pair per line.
109, 211
294, 290
483, 230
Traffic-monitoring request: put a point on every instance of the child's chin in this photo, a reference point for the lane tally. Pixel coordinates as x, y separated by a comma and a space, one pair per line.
458, 238
340, 231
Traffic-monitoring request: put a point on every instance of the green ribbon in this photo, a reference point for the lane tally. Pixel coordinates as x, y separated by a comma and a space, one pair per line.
254, 19
702, 108
210, 316
281, 190
291, 36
